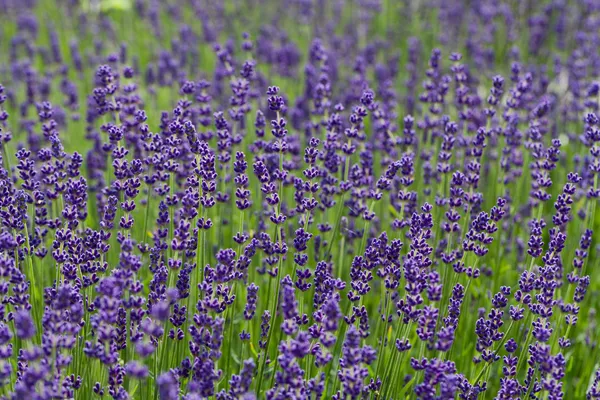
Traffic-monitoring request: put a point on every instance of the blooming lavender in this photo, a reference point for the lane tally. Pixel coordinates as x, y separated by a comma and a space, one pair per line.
299, 200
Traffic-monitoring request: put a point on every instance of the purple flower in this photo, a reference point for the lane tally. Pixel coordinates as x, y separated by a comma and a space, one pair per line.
24, 325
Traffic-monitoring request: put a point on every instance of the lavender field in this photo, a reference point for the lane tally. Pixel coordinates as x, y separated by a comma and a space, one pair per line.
299, 199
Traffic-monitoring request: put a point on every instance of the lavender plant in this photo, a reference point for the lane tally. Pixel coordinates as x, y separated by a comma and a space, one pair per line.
299, 199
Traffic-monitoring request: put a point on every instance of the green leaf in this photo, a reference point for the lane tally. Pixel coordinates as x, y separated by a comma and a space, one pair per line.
235, 357
106, 5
